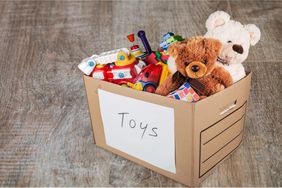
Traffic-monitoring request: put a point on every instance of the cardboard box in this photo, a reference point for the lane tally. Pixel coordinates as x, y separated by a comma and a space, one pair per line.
205, 132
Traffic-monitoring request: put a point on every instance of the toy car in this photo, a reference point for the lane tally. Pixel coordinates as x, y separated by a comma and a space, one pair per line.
148, 79
87, 65
123, 70
100, 72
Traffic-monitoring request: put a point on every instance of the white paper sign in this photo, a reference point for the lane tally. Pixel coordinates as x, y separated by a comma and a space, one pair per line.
140, 129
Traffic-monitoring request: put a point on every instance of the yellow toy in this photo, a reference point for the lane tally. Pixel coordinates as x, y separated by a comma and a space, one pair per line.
123, 59
165, 72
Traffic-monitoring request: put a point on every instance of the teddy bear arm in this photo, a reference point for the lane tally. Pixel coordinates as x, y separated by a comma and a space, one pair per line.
168, 86
210, 85
223, 75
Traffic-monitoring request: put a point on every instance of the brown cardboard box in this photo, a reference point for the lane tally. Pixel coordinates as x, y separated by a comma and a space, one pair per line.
206, 132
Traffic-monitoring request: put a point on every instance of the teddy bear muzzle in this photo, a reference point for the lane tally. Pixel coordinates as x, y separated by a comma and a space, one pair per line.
196, 69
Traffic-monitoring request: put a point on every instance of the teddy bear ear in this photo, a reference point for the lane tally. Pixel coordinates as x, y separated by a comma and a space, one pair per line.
217, 19
174, 48
254, 33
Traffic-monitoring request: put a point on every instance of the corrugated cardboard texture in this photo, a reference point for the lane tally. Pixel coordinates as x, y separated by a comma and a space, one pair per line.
206, 132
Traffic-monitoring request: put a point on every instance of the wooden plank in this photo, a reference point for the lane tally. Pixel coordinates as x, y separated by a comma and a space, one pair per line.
45, 132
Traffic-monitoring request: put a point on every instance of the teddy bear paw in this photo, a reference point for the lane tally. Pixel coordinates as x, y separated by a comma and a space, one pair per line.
219, 87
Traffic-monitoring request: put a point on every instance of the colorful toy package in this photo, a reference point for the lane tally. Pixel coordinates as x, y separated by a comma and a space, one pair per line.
185, 93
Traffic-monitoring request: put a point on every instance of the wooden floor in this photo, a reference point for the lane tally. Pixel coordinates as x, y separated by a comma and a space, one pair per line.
45, 132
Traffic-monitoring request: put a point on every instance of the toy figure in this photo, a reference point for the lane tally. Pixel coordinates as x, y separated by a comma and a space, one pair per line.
236, 40
196, 58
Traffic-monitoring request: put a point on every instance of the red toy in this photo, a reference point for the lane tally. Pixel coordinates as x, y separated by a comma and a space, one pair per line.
124, 70
121, 74
155, 57
100, 72
148, 79
135, 50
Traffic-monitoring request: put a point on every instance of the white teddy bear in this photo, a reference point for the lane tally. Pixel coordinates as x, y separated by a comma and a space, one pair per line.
236, 40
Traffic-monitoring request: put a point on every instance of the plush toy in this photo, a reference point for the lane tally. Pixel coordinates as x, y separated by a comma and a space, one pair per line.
236, 40
195, 58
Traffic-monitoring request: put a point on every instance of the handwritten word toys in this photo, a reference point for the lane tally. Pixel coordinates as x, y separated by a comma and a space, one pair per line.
185, 93
168, 39
135, 50
137, 125
87, 65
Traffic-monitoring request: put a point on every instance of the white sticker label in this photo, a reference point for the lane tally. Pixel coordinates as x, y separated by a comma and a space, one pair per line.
141, 129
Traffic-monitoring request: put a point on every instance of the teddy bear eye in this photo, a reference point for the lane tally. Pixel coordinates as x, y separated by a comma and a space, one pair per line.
229, 41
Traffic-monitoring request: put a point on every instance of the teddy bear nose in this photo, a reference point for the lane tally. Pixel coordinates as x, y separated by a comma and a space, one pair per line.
238, 48
195, 68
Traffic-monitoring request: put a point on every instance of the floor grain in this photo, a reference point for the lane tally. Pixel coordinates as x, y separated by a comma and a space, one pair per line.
45, 132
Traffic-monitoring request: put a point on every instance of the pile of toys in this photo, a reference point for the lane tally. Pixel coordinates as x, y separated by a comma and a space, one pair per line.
131, 67
182, 68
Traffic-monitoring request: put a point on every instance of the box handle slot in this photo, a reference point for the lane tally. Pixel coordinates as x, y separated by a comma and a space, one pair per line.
228, 108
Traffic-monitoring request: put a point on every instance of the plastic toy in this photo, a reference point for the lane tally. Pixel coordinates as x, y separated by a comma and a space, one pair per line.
100, 72
87, 65
110, 56
156, 57
150, 77
135, 50
165, 72
185, 93
147, 79
123, 70
168, 39
164, 57
151, 59
141, 34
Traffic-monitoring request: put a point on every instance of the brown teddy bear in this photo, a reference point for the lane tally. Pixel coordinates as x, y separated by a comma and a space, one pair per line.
195, 58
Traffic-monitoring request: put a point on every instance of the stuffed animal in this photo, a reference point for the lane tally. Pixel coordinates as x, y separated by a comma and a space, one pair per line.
236, 40
195, 58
